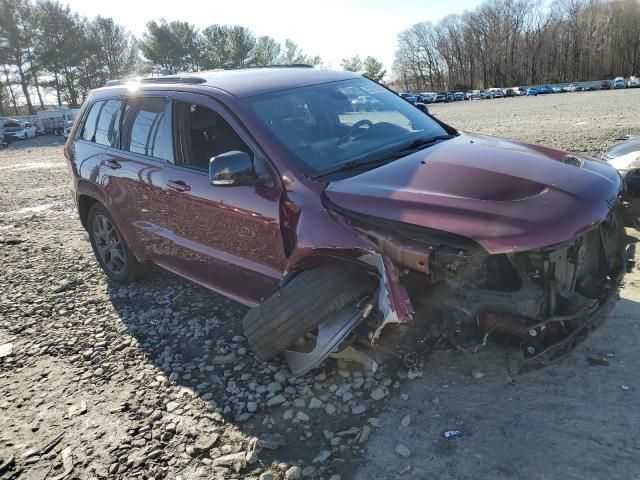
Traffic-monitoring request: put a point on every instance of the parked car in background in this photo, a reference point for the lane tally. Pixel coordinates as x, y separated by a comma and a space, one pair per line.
366, 103
485, 94
557, 90
572, 88
459, 96
451, 97
545, 90
16, 129
532, 92
441, 97
409, 97
3, 142
625, 158
606, 85
255, 184
619, 82
519, 91
508, 92
634, 82
496, 93
473, 95
427, 97
67, 128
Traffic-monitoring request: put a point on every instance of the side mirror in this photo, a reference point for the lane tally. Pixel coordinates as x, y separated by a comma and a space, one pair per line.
232, 168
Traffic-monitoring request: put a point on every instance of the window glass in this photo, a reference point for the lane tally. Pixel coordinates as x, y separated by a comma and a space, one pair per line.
203, 134
146, 128
108, 126
89, 128
325, 126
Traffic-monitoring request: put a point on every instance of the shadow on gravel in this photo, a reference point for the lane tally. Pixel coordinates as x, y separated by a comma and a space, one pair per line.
194, 337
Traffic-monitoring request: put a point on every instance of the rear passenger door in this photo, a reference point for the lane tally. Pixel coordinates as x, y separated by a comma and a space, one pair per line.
137, 132
227, 238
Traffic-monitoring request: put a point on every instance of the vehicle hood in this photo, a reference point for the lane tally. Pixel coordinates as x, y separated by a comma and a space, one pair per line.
625, 155
505, 195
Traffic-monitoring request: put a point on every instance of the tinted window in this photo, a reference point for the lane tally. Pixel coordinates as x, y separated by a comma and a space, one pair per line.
204, 134
146, 128
89, 128
108, 126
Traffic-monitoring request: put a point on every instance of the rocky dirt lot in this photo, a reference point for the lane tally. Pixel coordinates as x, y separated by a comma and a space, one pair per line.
154, 380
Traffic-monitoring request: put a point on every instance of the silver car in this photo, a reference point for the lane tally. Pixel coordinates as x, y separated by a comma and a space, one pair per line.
625, 158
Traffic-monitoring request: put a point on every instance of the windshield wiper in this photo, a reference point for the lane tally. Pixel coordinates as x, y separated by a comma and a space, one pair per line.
417, 144
349, 165
421, 143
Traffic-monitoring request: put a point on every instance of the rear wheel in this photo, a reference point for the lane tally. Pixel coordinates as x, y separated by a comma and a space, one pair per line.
310, 299
109, 247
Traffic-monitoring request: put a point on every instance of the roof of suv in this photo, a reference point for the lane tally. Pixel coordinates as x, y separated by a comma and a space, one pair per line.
255, 81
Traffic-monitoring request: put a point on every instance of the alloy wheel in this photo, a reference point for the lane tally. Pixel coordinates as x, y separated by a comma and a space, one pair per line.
109, 244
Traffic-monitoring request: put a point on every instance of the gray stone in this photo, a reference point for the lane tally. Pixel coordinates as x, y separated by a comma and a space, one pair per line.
315, 403
329, 409
406, 421
293, 473
276, 400
172, 406
6, 349
323, 456
378, 394
358, 409
402, 450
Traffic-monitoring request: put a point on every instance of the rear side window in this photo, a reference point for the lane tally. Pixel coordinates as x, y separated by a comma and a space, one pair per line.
146, 128
108, 125
89, 127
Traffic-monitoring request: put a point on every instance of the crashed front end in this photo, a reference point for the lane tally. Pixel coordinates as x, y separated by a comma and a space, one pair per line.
448, 287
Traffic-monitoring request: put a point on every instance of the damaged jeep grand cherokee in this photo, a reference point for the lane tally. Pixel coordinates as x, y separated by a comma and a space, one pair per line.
336, 224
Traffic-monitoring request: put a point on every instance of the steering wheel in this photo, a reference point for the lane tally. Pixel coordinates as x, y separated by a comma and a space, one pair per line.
353, 131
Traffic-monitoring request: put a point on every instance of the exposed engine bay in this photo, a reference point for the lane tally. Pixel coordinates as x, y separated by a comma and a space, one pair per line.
447, 287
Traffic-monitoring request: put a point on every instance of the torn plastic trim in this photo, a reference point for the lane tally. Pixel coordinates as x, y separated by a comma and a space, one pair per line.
393, 299
330, 334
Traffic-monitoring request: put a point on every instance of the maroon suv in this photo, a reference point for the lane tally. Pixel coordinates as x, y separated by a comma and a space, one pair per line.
267, 185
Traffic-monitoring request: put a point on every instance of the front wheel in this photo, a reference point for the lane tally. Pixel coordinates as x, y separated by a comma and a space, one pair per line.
109, 247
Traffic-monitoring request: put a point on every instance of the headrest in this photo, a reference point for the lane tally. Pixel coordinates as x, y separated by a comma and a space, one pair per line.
202, 118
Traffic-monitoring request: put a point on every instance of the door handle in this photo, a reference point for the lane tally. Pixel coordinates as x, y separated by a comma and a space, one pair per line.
178, 185
112, 164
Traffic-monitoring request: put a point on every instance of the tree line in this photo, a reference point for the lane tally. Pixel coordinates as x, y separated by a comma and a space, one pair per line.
519, 42
45, 47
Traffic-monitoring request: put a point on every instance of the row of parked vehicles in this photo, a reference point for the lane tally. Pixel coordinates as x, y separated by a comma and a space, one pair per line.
13, 129
490, 93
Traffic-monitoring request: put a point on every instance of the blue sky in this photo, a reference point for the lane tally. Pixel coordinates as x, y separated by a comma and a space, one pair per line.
333, 29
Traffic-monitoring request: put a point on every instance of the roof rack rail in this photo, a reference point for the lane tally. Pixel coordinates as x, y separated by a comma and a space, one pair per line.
283, 65
163, 79
173, 79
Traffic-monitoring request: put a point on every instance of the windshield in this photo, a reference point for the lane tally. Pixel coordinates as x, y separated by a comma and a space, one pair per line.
12, 127
327, 125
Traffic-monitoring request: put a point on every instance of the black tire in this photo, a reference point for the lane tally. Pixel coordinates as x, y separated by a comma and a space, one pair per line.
131, 270
311, 298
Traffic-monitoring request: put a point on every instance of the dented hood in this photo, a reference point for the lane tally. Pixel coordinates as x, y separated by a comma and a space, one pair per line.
505, 195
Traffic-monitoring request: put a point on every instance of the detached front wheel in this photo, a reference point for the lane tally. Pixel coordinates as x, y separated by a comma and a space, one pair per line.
310, 299
109, 247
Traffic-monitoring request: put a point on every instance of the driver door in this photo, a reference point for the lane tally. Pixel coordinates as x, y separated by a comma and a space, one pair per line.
224, 237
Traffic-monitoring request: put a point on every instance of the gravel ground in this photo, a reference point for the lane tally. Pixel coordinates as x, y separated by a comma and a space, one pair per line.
154, 380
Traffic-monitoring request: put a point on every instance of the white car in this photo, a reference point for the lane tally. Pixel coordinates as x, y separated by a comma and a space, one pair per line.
619, 83
68, 125
634, 82
14, 129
